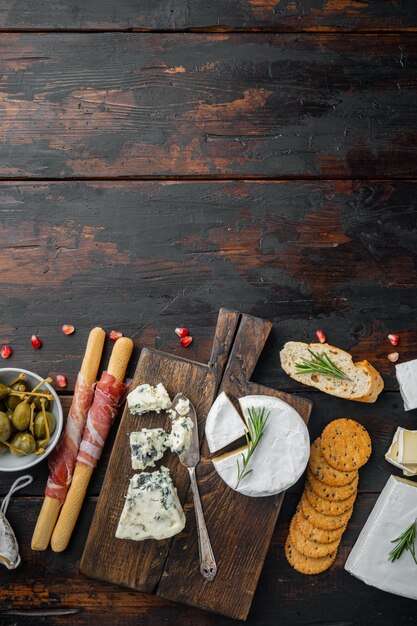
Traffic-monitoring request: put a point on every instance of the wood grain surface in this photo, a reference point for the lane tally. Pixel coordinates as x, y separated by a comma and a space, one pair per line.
217, 15
211, 105
302, 138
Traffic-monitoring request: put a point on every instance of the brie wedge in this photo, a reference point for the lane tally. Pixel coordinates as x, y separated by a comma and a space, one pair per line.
223, 424
147, 446
281, 456
152, 509
145, 398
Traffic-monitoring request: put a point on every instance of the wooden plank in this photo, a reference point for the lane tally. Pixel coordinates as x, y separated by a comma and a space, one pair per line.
217, 15
337, 255
47, 584
208, 105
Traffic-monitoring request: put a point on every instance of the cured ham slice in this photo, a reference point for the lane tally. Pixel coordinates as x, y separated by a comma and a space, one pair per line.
107, 397
62, 460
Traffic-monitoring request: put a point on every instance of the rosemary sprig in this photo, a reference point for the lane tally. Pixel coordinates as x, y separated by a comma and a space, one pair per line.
406, 541
320, 363
256, 426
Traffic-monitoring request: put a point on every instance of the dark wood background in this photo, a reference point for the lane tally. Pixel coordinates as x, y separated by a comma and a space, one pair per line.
161, 159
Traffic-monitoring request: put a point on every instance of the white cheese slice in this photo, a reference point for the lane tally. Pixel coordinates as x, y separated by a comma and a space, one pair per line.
223, 424
280, 457
394, 511
179, 438
145, 398
147, 446
407, 446
152, 509
407, 379
392, 456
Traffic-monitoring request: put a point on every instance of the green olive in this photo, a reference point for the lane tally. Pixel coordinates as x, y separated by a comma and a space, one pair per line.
23, 443
42, 443
38, 405
40, 430
5, 427
12, 402
21, 416
4, 391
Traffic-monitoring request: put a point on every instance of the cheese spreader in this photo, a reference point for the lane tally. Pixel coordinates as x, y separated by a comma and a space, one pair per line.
190, 458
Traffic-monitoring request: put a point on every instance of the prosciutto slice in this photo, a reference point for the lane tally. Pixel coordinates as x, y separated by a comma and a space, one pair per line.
107, 397
61, 461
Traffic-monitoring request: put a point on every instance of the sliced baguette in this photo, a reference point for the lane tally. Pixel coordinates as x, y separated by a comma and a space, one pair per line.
365, 384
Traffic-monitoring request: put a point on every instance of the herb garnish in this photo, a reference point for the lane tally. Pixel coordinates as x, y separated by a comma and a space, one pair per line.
406, 541
320, 363
256, 425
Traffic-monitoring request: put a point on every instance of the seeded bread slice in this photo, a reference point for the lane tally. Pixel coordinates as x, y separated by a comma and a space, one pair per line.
364, 385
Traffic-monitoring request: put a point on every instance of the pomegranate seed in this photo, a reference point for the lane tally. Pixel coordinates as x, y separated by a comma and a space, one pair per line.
185, 341
114, 335
393, 339
61, 380
182, 332
6, 351
36, 342
68, 329
393, 357
321, 336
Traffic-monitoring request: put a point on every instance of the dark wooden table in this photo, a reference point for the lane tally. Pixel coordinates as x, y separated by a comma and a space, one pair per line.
161, 159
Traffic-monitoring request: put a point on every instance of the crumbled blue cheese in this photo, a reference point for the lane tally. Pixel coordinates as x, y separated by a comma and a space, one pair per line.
179, 439
147, 446
152, 509
182, 407
145, 398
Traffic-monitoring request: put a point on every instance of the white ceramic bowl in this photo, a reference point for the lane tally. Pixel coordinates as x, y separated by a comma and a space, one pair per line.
8, 461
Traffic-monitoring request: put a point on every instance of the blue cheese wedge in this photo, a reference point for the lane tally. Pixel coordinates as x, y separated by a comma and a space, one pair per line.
145, 398
179, 439
147, 446
152, 509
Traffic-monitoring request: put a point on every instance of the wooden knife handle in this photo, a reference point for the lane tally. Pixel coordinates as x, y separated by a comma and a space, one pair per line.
72, 506
50, 507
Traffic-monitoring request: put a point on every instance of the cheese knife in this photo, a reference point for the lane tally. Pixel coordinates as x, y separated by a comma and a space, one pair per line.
190, 458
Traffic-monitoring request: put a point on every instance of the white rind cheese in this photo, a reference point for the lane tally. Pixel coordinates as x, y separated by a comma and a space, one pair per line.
280, 457
179, 438
152, 509
147, 446
145, 398
223, 424
407, 377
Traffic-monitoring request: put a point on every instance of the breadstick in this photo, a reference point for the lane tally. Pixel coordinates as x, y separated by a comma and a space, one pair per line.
89, 451
51, 505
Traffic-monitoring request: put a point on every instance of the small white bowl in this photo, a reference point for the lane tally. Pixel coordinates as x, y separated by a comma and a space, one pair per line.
8, 461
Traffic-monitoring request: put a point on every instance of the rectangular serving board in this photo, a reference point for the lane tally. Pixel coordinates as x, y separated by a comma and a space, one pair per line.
240, 528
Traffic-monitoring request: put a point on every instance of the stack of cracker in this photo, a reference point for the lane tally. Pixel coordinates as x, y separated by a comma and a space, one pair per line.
330, 491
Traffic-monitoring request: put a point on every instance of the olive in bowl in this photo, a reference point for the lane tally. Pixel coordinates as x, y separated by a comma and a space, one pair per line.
31, 419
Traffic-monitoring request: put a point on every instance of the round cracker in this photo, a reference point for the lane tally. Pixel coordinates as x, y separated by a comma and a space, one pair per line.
320, 520
327, 507
313, 532
306, 564
332, 493
345, 444
324, 472
307, 546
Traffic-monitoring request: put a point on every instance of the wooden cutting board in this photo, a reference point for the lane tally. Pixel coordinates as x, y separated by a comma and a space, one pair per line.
240, 528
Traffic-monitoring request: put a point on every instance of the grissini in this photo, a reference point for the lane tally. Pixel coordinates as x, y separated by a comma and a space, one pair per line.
108, 393
62, 459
